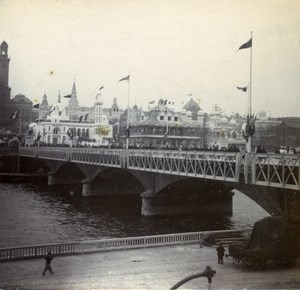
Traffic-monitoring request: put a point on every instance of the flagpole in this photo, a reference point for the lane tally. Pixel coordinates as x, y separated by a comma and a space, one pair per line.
249, 144
128, 115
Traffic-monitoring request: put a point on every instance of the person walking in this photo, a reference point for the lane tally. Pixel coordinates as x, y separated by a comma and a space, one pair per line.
48, 259
220, 252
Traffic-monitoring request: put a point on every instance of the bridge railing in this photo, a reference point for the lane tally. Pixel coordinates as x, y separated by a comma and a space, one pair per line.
98, 156
30, 252
276, 170
204, 164
61, 153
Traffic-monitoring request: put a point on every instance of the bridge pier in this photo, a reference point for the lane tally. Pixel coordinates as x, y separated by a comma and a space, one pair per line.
188, 202
292, 207
87, 188
52, 179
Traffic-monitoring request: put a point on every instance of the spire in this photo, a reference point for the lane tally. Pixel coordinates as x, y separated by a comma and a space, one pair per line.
44, 101
74, 92
73, 100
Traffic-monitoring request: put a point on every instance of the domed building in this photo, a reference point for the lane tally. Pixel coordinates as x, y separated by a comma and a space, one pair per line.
193, 107
24, 105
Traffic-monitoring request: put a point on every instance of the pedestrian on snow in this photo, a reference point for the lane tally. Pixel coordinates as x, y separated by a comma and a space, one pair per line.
220, 252
48, 259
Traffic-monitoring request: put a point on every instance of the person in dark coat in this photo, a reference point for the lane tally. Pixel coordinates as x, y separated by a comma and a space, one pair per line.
48, 259
220, 252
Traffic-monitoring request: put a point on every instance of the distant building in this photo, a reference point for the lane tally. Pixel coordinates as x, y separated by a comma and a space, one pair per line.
60, 128
5, 105
24, 105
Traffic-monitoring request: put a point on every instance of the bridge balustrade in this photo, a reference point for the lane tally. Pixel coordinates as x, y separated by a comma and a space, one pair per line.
276, 170
273, 170
29, 252
210, 165
98, 156
53, 153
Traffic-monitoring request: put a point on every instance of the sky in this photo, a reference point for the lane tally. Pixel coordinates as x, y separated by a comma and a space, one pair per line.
170, 48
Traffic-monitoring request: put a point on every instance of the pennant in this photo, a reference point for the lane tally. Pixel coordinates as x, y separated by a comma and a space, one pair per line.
244, 89
86, 116
127, 79
52, 109
36, 106
68, 96
101, 88
152, 102
14, 115
247, 44
80, 118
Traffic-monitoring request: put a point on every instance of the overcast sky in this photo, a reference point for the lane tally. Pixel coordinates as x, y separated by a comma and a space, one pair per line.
170, 48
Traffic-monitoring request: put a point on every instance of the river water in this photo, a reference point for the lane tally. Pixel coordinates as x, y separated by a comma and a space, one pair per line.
33, 214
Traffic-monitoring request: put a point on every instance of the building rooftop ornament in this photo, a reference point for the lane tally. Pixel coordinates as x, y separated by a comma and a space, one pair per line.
192, 106
4, 48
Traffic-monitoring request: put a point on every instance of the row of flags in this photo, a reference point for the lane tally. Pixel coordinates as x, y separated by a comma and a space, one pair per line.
127, 78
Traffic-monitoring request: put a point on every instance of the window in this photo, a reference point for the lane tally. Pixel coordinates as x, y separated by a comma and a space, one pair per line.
161, 117
169, 118
176, 119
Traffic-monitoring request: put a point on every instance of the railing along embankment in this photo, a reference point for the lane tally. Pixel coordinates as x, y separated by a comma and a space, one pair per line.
30, 252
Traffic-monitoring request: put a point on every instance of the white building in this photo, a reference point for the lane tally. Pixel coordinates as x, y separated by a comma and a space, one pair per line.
59, 128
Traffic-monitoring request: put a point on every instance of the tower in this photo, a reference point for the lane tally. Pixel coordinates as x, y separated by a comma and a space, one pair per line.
4, 71
98, 114
44, 108
72, 107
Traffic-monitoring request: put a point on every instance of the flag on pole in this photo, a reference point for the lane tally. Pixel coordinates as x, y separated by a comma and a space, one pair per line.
38, 137
246, 44
68, 96
127, 79
244, 89
14, 115
101, 88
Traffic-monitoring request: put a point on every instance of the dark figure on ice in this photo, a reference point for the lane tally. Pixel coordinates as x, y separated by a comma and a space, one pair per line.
220, 251
48, 259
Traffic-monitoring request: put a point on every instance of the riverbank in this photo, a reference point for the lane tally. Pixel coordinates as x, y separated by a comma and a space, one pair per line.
150, 268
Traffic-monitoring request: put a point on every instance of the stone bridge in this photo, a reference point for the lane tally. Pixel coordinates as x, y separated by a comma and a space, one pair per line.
164, 177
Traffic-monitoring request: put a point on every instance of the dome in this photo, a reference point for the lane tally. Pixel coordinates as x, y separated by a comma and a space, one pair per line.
192, 106
21, 99
4, 45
